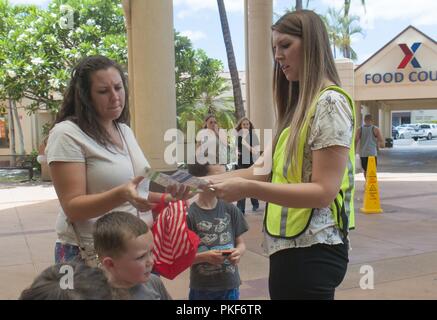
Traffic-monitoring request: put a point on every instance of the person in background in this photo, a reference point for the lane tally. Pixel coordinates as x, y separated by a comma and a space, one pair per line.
370, 139
248, 152
211, 140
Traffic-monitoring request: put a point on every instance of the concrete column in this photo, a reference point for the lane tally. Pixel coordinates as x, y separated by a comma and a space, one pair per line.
128, 23
259, 65
358, 113
381, 120
387, 123
152, 75
246, 57
345, 69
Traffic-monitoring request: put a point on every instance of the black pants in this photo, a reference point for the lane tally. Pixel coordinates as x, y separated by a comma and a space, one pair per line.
241, 204
365, 160
310, 273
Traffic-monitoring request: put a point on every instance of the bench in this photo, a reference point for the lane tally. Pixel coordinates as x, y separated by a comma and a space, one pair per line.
17, 162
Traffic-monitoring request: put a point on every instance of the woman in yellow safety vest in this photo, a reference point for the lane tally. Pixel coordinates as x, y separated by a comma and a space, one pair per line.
309, 189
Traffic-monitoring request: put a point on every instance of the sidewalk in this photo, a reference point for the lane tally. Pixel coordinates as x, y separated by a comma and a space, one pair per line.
400, 244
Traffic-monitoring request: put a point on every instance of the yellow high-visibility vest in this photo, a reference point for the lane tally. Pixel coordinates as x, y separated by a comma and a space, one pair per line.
292, 222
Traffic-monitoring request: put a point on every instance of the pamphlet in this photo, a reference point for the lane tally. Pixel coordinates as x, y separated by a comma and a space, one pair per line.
179, 177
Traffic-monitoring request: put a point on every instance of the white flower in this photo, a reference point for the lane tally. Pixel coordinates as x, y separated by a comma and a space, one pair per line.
22, 37
28, 68
31, 30
11, 73
54, 83
90, 22
38, 43
79, 30
37, 61
11, 33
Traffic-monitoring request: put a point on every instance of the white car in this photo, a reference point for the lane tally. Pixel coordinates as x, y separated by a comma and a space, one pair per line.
425, 130
406, 131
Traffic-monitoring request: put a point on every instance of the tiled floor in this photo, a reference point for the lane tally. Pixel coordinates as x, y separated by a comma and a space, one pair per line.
400, 244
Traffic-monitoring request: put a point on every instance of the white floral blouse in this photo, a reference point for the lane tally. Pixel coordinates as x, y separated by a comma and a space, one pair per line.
332, 125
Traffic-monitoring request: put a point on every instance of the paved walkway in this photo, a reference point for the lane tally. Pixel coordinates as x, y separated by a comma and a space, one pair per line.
400, 244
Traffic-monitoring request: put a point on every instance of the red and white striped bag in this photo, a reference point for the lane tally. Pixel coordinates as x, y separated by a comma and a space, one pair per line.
175, 245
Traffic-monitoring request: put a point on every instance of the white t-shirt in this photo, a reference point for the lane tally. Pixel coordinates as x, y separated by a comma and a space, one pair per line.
104, 170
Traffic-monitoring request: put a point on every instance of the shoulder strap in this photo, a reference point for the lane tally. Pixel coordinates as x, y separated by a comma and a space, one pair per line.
130, 154
87, 253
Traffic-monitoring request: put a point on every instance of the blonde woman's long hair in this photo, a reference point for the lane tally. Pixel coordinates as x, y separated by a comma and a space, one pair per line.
293, 99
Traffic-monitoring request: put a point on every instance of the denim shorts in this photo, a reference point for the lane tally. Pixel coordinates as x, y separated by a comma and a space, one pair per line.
66, 253
232, 294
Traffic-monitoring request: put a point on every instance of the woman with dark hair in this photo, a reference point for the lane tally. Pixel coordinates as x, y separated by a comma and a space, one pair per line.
248, 151
95, 161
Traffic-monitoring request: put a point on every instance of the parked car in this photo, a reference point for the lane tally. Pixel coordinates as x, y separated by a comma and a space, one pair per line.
418, 133
425, 130
404, 125
406, 131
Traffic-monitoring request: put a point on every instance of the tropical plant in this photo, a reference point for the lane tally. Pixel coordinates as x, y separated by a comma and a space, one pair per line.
236, 87
341, 29
347, 5
199, 87
38, 49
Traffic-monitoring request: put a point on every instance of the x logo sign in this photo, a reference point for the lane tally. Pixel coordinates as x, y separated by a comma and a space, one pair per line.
409, 55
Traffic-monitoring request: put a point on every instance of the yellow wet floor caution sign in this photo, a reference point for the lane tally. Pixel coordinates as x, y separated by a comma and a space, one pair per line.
371, 193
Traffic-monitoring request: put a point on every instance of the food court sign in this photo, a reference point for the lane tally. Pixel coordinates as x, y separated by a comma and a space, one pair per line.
397, 77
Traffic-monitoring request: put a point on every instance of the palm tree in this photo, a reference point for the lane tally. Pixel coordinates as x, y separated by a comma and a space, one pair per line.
299, 5
340, 30
347, 29
332, 21
238, 98
347, 5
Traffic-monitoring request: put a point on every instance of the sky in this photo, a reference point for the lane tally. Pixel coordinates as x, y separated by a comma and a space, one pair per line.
381, 20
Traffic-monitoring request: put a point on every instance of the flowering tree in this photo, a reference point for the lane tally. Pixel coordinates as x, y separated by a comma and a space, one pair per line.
40, 46
199, 87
